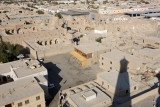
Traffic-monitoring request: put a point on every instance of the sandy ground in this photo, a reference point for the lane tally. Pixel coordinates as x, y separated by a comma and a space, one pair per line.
65, 72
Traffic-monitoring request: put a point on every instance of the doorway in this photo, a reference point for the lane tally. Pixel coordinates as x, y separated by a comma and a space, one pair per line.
8, 105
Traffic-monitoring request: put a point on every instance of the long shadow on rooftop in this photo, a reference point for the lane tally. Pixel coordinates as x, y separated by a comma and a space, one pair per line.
120, 83
122, 87
53, 77
158, 99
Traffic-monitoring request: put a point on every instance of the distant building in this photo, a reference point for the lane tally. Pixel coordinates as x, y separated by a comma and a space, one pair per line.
142, 13
46, 47
65, 1
75, 13
113, 11
148, 53
116, 11
22, 93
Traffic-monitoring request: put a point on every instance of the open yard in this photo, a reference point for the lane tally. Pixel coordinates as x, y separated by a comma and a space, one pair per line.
65, 73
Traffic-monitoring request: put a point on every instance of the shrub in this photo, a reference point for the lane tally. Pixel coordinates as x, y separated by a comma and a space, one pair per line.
99, 39
94, 7
40, 12
59, 15
55, 3
146, 2
5, 11
81, 36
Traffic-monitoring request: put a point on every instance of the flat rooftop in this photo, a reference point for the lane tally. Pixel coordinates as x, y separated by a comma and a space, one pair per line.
117, 55
90, 47
75, 13
35, 46
156, 39
120, 81
78, 100
152, 53
152, 15
41, 79
27, 17
143, 12
18, 90
22, 72
4, 68
22, 68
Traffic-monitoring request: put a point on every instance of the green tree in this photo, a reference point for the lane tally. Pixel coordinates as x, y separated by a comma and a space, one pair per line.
99, 39
55, 3
39, 12
59, 15
5, 11
9, 52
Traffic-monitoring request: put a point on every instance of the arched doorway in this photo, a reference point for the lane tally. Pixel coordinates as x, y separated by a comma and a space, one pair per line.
18, 31
56, 41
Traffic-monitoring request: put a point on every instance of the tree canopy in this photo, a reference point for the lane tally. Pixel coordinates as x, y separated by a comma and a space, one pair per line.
39, 12
59, 15
99, 39
9, 52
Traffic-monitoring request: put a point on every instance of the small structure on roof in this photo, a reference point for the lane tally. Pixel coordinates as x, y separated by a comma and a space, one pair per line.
87, 97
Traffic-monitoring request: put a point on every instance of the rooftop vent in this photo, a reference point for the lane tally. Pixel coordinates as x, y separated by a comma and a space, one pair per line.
89, 95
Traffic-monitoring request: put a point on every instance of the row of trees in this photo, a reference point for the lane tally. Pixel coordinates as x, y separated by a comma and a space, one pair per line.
9, 52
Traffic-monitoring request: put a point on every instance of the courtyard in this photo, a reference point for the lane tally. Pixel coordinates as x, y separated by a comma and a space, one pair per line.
66, 72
